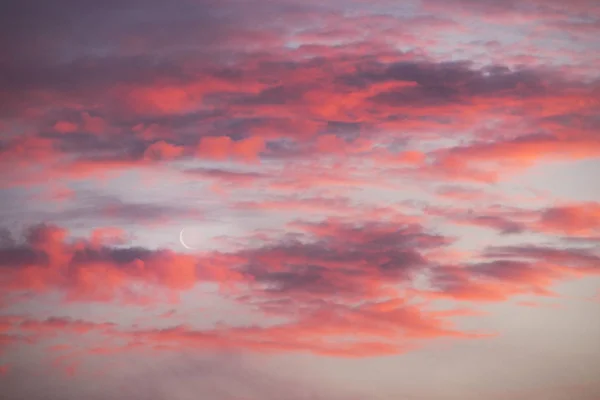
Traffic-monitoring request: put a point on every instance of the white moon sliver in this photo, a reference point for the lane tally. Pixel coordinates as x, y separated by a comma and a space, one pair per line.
182, 242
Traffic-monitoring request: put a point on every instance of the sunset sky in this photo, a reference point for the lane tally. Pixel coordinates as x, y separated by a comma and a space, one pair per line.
382, 200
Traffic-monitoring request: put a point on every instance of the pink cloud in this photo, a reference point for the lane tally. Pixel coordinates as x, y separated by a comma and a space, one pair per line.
333, 131
572, 219
162, 150
222, 147
65, 127
51, 262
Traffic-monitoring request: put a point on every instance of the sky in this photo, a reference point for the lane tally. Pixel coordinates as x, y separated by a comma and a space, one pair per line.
300, 200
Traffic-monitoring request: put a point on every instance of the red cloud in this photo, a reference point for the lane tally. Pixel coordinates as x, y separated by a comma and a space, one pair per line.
374, 331
520, 152
49, 262
343, 261
65, 127
369, 95
223, 147
337, 281
162, 150
25, 150
166, 99
575, 219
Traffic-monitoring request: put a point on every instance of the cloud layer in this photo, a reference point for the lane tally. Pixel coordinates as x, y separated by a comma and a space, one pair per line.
366, 179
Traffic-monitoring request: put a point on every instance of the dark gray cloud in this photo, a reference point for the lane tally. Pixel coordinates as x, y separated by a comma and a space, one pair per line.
111, 208
227, 176
28, 252
37, 30
90, 207
504, 225
85, 48
342, 261
575, 257
502, 269
21, 256
443, 83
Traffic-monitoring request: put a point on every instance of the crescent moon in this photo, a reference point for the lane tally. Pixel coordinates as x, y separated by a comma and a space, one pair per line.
182, 242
